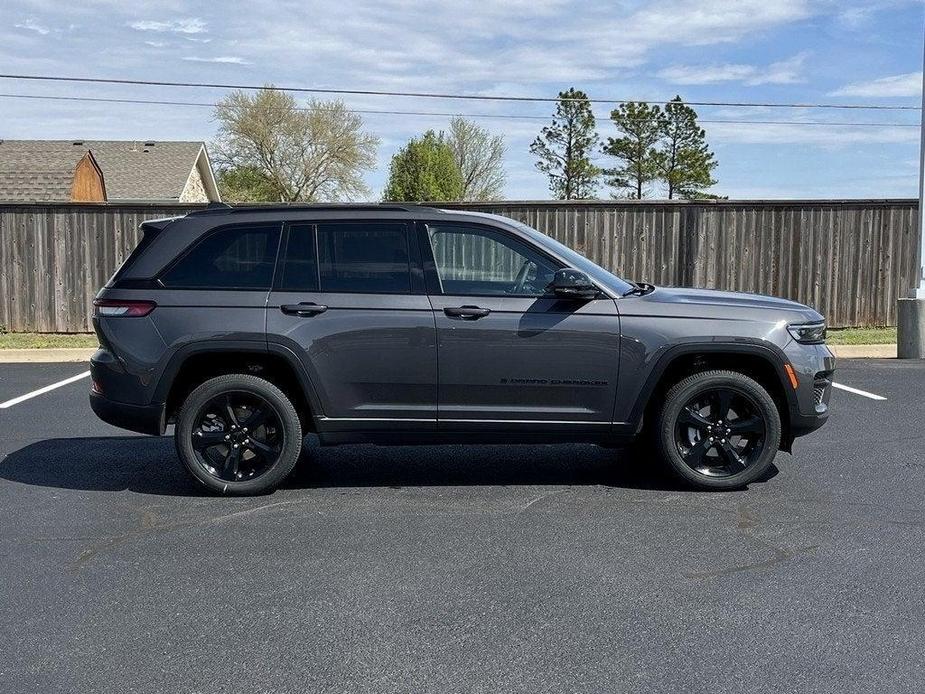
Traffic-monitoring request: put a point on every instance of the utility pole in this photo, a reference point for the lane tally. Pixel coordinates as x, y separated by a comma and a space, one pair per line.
911, 311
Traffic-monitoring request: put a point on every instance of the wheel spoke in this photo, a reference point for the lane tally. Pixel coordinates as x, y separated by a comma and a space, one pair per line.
232, 460
256, 418
694, 457
229, 411
733, 460
722, 400
260, 447
207, 439
746, 425
692, 417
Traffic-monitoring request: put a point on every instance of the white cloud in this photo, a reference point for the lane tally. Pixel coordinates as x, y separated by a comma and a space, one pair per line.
155, 44
557, 41
909, 84
192, 25
855, 17
783, 72
704, 22
31, 25
229, 59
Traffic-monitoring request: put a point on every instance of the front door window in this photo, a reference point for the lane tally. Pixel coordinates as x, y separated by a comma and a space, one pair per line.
480, 262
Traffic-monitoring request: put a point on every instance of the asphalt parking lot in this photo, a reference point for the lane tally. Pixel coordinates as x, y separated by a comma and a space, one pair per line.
452, 569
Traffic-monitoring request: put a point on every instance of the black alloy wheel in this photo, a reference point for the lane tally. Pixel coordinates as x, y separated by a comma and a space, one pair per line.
720, 432
237, 436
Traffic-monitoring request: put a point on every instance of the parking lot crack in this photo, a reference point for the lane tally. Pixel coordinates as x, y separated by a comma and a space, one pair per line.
747, 521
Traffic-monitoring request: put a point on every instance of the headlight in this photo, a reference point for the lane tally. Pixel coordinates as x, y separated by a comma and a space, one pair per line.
808, 333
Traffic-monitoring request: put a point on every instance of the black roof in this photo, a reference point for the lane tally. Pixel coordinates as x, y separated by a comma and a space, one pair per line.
217, 208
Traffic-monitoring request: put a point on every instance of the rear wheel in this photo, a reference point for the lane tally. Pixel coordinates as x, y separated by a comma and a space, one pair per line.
718, 430
238, 434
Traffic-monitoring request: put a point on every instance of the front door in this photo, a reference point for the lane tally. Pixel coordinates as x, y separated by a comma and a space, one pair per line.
349, 299
510, 356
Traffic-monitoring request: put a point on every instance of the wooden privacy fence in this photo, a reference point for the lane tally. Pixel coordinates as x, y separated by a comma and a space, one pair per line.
849, 259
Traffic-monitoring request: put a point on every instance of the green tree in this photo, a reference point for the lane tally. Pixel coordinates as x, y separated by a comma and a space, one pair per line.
684, 160
246, 184
424, 170
641, 128
314, 153
564, 148
480, 158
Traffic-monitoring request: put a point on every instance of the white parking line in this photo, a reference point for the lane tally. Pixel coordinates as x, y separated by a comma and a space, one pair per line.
856, 391
40, 391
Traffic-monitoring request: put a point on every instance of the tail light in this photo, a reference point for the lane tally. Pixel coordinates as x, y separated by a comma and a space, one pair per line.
122, 307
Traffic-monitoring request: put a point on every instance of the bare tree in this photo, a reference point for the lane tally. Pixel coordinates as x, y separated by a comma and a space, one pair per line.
480, 158
314, 153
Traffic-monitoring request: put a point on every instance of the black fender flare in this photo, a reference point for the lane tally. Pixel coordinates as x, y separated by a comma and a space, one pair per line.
770, 353
169, 373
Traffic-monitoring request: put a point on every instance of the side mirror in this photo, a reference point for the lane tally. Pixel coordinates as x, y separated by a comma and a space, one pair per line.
569, 283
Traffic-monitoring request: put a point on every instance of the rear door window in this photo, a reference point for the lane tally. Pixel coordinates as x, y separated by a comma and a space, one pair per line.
364, 257
231, 258
298, 270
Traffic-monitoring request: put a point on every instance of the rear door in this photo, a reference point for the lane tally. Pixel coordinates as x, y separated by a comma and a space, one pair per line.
349, 299
215, 290
510, 355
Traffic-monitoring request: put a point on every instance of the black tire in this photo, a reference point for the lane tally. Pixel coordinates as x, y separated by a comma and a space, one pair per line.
700, 442
217, 411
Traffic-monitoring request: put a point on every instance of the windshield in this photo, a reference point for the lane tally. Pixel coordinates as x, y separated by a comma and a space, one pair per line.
576, 260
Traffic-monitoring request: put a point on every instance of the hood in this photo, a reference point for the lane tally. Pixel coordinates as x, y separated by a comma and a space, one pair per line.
713, 299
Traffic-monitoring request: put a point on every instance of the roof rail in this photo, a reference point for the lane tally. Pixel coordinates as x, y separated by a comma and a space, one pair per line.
224, 208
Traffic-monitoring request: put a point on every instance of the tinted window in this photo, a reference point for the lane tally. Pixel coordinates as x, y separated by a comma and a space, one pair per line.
234, 258
479, 262
576, 260
364, 257
299, 269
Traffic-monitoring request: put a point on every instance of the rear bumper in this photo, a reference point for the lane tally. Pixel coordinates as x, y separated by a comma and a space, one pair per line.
145, 419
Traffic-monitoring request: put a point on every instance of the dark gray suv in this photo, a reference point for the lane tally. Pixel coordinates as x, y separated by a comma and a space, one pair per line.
249, 327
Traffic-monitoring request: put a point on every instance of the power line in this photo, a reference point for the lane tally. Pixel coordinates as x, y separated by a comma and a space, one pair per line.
437, 95
157, 102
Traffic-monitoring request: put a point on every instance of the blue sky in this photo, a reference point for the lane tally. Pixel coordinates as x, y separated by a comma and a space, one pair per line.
819, 51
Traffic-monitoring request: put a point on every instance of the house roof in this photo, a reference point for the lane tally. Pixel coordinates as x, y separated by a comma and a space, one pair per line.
133, 170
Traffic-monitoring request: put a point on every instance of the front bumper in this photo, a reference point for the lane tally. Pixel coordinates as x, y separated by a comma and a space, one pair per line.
815, 368
145, 419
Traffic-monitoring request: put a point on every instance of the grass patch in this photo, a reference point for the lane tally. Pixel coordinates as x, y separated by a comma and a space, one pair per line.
47, 340
861, 336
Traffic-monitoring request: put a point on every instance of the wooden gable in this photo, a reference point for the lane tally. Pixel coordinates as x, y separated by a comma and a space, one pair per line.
88, 185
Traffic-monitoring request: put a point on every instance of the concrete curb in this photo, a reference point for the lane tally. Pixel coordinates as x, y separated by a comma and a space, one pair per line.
864, 351
50, 355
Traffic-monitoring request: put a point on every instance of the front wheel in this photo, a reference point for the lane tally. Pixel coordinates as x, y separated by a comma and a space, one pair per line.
718, 430
238, 434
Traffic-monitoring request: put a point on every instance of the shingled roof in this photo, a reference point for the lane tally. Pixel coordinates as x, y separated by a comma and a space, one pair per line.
42, 170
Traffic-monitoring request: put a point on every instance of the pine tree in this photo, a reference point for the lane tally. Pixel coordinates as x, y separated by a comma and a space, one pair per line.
684, 159
641, 127
564, 148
